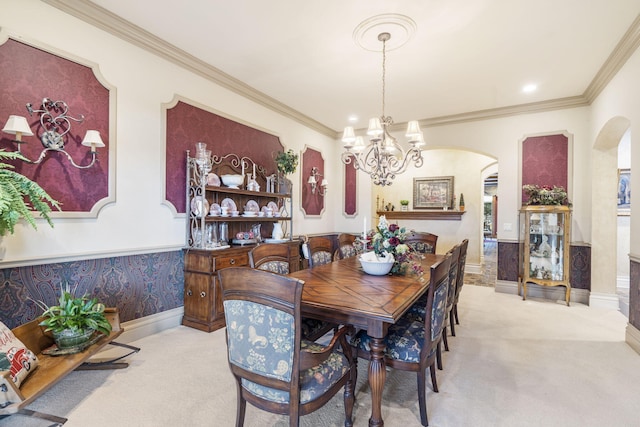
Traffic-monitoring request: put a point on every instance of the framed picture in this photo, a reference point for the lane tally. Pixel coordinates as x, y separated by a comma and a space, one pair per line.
624, 192
433, 193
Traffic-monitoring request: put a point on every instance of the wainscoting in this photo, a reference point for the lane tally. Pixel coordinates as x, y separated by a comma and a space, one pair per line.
138, 285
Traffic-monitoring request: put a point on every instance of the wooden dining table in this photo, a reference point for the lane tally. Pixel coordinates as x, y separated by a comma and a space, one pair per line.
341, 292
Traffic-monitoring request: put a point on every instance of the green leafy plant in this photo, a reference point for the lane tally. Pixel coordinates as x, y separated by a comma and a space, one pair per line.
19, 197
75, 313
461, 200
287, 161
404, 202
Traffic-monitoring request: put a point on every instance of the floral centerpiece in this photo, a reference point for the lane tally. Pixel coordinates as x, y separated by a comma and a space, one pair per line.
546, 195
389, 239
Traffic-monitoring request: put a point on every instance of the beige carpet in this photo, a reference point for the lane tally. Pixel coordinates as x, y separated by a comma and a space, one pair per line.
512, 363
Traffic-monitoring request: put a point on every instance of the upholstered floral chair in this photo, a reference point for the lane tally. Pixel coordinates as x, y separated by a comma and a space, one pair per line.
271, 257
346, 248
274, 257
422, 242
459, 282
275, 368
413, 345
320, 251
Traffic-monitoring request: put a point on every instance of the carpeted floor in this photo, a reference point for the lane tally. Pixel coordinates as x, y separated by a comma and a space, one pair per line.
513, 363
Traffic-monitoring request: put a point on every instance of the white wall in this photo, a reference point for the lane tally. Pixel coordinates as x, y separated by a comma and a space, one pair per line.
138, 221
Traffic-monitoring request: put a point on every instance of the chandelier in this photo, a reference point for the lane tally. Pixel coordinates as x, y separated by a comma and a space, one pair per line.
383, 158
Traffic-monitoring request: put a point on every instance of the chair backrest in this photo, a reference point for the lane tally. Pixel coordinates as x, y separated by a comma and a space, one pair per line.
345, 246
422, 242
461, 263
436, 307
454, 268
262, 310
270, 257
320, 251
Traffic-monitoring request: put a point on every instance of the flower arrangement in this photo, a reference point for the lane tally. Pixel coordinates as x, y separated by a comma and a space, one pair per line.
546, 195
389, 239
286, 161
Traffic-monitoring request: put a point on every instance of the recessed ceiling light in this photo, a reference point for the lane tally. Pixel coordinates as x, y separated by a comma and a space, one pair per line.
353, 118
528, 88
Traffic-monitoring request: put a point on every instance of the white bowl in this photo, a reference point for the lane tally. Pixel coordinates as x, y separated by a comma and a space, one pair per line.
232, 181
375, 265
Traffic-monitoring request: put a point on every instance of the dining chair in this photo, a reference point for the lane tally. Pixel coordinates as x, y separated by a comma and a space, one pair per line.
422, 242
275, 369
413, 345
320, 251
346, 249
459, 282
274, 257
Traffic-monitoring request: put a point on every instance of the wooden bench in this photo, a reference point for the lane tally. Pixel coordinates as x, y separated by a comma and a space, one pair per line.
52, 369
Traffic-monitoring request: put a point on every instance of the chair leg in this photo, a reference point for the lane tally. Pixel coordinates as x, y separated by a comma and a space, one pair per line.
444, 339
422, 397
455, 311
434, 382
453, 326
439, 357
349, 399
242, 406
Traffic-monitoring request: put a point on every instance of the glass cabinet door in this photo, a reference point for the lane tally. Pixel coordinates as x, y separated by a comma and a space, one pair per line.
546, 246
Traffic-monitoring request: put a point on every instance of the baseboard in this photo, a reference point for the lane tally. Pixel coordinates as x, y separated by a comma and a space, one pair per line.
609, 301
473, 268
149, 325
622, 282
632, 337
555, 293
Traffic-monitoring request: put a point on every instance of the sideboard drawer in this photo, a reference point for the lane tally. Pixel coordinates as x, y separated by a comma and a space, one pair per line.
235, 260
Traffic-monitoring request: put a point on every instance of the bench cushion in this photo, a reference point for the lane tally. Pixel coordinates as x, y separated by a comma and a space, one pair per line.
15, 357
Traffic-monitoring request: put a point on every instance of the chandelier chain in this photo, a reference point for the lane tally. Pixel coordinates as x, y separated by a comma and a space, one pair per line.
384, 73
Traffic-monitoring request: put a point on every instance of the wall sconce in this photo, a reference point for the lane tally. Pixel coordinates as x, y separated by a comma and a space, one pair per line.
314, 181
55, 123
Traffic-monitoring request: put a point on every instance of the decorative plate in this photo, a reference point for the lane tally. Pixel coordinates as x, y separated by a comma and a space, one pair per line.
199, 206
252, 206
229, 203
274, 207
215, 210
213, 180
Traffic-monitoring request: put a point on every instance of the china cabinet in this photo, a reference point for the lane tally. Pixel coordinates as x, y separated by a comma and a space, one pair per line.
545, 233
231, 206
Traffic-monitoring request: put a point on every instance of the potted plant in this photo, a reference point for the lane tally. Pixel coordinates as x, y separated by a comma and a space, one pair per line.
461, 202
286, 162
74, 320
405, 205
19, 196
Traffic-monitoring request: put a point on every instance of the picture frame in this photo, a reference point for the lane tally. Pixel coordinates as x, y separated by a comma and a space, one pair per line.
624, 192
433, 193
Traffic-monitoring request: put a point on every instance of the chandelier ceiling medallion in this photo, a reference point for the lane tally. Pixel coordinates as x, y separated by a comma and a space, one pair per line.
382, 158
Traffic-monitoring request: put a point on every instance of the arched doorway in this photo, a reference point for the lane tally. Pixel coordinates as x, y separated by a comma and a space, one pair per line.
604, 185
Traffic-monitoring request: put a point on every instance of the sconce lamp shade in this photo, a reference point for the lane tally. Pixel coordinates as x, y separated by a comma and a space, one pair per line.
312, 180
92, 139
324, 183
18, 126
413, 130
348, 137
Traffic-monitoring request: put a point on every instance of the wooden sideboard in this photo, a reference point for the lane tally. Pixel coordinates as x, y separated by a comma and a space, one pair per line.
203, 308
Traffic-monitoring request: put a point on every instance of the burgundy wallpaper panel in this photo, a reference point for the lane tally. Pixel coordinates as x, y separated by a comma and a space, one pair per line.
28, 75
350, 190
312, 204
187, 125
545, 161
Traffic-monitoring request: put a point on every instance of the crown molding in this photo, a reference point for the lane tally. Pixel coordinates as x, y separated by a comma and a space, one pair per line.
115, 25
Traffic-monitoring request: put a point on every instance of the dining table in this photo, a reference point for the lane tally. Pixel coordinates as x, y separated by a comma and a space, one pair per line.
341, 292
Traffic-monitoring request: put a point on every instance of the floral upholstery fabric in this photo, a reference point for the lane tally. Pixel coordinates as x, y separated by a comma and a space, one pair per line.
278, 267
348, 251
261, 339
405, 339
321, 258
421, 247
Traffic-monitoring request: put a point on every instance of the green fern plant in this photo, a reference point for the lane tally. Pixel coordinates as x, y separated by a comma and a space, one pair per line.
19, 197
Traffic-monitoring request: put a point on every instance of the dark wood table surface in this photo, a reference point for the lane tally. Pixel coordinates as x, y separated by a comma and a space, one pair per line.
341, 292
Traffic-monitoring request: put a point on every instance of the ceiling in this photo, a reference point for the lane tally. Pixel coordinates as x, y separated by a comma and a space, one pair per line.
466, 58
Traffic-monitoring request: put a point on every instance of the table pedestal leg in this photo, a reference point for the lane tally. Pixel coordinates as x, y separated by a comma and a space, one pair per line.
377, 376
